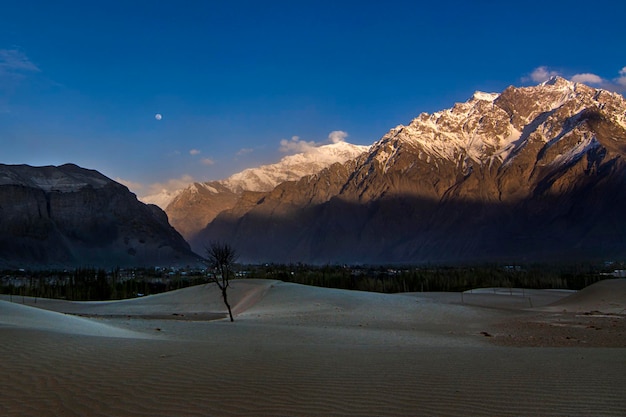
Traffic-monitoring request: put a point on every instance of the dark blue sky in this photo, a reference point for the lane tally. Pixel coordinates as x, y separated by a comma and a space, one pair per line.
82, 81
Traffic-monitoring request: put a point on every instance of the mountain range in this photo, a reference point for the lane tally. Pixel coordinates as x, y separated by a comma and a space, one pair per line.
191, 208
529, 174
68, 216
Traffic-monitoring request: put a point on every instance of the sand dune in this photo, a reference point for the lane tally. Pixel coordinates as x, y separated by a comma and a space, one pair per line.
305, 351
197, 300
25, 317
608, 296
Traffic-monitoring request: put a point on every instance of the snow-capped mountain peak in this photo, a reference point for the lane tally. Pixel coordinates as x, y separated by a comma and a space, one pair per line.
266, 177
534, 173
293, 167
479, 95
491, 127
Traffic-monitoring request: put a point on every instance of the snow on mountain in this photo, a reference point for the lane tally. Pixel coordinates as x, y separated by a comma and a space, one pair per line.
292, 167
266, 177
474, 129
531, 173
486, 129
162, 198
479, 95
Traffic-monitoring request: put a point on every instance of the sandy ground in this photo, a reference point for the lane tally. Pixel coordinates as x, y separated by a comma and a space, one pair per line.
304, 351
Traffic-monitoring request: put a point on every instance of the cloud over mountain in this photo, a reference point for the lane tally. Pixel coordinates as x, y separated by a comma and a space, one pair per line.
337, 136
531, 173
543, 73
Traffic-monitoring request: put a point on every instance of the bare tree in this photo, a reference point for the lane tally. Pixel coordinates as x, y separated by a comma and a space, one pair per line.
221, 257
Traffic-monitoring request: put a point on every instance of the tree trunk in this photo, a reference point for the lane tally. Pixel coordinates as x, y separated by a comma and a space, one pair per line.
230, 313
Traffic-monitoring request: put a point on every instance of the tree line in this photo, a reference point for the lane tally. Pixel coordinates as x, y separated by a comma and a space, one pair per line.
90, 284
394, 279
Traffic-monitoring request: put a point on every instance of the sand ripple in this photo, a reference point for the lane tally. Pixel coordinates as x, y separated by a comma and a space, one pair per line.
299, 352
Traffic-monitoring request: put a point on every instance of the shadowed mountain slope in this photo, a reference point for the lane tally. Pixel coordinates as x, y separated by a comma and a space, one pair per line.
70, 216
534, 173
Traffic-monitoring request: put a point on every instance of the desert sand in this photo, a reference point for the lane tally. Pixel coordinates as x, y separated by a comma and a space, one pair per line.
295, 350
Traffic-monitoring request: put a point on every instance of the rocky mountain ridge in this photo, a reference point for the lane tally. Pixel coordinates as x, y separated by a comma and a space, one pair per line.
193, 207
527, 174
69, 216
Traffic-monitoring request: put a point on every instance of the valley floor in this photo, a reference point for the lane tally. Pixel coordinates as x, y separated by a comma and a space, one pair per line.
305, 351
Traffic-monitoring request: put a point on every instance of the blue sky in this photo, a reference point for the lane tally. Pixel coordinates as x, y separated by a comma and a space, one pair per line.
82, 81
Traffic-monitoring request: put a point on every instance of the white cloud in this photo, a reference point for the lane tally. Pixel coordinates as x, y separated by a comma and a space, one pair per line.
617, 84
541, 74
337, 136
15, 67
544, 73
194, 152
167, 187
135, 187
587, 78
621, 80
154, 193
295, 145
207, 161
244, 151
13, 61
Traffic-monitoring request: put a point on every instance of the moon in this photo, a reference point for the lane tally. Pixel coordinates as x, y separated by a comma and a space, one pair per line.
158, 116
